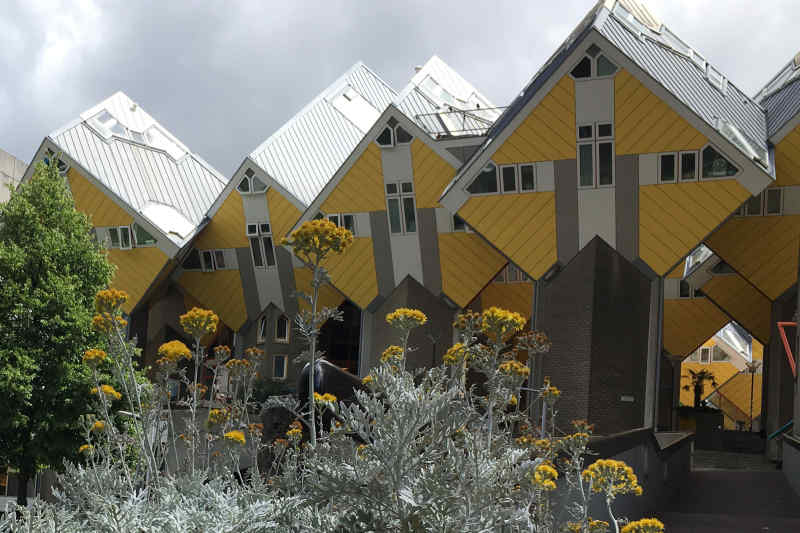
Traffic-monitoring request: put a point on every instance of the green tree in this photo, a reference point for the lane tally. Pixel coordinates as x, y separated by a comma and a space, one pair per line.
50, 270
698, 383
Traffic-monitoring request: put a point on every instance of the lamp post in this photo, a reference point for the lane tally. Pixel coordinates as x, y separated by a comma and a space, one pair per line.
752, 368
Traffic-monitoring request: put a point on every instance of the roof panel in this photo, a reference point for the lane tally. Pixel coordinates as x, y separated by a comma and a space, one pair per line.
782, 106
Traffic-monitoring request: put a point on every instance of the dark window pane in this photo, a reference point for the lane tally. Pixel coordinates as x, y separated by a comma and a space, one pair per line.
349, 223
667, 167
685, 290
142, 237
395, 221
192, 261
605, 164
509, 179
526, 177
583, 69
773, 201
586, 165
585, 132
385, 138
219, 259
244, 185
593, 50
391, 188
262, 328
208, 261
334, 219
723, 268
605, 67
410, 215
252, 229
282, 328
407, 186
113, 234
124, 237
716, 166
255, 249
280, 367
604, 130
249, 173
268, 251
459, 224
402, 135
486, 182
753, 206
263, 228
688, 166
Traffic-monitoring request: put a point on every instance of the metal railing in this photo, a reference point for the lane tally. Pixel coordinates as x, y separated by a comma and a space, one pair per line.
457, 122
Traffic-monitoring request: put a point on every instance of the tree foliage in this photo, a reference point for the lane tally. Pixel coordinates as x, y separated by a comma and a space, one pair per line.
50, 270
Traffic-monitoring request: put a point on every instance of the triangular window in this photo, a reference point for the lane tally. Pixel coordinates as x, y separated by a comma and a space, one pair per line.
402, 136
605, 67
486, 182
244, 185
258, 185
715, 165
583, 69
386, 138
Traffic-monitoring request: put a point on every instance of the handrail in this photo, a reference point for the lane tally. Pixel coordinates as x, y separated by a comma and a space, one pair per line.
780, 430
786, 347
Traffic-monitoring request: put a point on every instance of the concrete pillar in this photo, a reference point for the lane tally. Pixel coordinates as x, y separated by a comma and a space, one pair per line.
779, 386
653, 352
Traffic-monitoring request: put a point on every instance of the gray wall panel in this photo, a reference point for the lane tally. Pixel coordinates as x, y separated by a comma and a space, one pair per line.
627, 208
286, 275
249, 286
429, 248
566, 180
382, 249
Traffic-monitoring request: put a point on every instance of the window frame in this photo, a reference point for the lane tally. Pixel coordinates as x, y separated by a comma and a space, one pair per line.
259, 237
496, 180
765, 193
519, 177
593, 75
340, 220
675, 167
746, 206
502, 189
275, 337
707, 350
680, 178
401, 196
210, 267
397, 142
261, 330
392, 143
275, 359
595, 141
701, 164
453, 227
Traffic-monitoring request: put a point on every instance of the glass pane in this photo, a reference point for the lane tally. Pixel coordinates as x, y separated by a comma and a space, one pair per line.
349, 223
501, 276
585, 132
716, 166
334, 219
255, 249
586, 165
513, 273
509, 179
258, 185
263, 228
407, 186
124, 237
249, 173
385, 138
410, 215
773, 201
402, 135
113, 234
252, 229
268, 251
280, 367
753, 206
486, 182
282, 328
667, 167
605, 67
459, 224
208, 261
526, 177
593, 50
605, 164
685, 290
192, 261
604, 130
142, 237
395, 223
244, 185
688, 166
219, 258
262, 328
583, 69
704, 355
391, 188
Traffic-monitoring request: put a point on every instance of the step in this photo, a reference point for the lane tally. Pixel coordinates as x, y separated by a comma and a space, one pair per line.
717, 523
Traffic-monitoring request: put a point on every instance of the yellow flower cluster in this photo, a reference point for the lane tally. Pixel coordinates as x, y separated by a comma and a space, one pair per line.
221, 352
575, 441
315, 239
513, 401
109, 300
550, 394
295, 430
366, 380
324, 398
199, 322
455, 354
514, 367
107, 391
361, 450
107, 322
99, 425
238, 366
85, 448
539, 446
172, 352
545, 476
499, 324
405, 318
217, 416
594, 526
611, 477
94, 356
392, 353
254, 353
256, 428
467, 319
645, 525
235, 436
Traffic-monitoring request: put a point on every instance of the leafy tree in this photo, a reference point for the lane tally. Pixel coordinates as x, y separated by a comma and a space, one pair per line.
50, 270
698, 383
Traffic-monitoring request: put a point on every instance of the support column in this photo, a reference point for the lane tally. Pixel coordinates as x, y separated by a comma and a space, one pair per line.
653, 352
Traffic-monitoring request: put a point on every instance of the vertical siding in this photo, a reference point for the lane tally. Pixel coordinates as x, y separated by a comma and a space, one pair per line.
220, 291
282, 214
468, 264
89, 199
136, 271
645, 124
227, 228
547, 133
361, 189
431, 174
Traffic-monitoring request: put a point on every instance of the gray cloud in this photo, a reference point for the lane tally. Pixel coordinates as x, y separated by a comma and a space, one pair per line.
222, 76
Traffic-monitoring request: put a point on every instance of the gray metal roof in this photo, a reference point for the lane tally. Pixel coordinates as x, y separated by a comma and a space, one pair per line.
306, 152
685, 79
173, 194
781, 96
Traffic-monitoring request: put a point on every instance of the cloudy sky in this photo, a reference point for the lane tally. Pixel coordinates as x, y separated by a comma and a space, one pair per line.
223, 75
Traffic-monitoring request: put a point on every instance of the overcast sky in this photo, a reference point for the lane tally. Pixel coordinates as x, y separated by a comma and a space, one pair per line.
223, 75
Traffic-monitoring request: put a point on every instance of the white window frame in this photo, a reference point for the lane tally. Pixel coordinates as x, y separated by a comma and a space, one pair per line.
700, 161
765, 194
275, 359
519, 177
761, 206
696, 166
391, 132
119, 230
260, 235
204, 267
395, 138
400, 196
496, 181
516, 179
282, 340
340, 220
595, 141
261, 329
707, 350
249, 177
676, 167
593, 65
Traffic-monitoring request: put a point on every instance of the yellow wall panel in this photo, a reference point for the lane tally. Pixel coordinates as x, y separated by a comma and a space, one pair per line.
227, 228
361, 189
743, 302
221, 291
521, 226
353, 272
547, 133
722, 370
468, 264
431, 174
645, 124
787, 159
89, 199
282, 214
517, 297
689, 323
328, 296
675, 217
136, 271
762, 249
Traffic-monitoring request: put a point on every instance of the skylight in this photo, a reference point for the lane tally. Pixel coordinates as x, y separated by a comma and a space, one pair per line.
355, 108
732, 133
107, 125
168, 219
698, 256
157, 138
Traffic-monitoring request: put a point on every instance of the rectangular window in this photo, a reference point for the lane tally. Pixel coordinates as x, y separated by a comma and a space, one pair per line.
113, 235
513, 273
509, 178
685, 290
124, 238
261, 246
705, 355
269, 252
604, 131
586, 164
596, 158
753, 206
282, 329
774, 205
605, 163
252, 230
395, 221
666, 168
219, 259
402, 211
391, 188
255, 249
410, 214
459, 224
585, 132
527, 178
688, 166
349, 223
334, 219
279, 364
208, 260
262, 330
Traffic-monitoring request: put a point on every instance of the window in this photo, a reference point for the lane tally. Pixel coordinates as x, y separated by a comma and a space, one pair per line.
508, 176
715, 165
386, 138
400, 203
605, 67
688, 162
486, 182
219, 259
527, 177
261, 334
120, 237
511, 274
718, 354
282, 329
279, 364
685, 290
142, 237
583, 69
344, 220
402, 136
593, 64
595, 155
459, 224
207, 258
773, 202
61, 165
192, 261
250, 183
753, 206
666, 168
261, 246
705, 355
